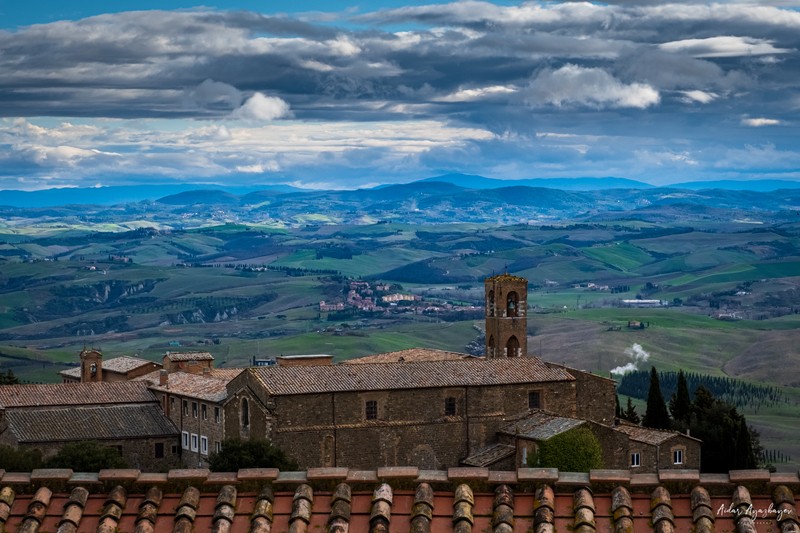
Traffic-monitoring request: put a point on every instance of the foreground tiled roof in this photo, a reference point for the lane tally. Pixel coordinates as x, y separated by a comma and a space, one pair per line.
74, 394
398, 499
647, 435
87, 423
121, 365
408, 375
190, 356
209, 387
410, 355
538, 425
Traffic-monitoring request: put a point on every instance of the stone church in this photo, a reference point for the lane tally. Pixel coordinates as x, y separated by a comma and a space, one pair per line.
429, 408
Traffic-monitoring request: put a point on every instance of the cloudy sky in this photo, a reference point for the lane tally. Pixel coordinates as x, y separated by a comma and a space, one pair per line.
345, 94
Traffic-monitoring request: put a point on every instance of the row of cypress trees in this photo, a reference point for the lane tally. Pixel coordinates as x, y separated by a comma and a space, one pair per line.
728, 442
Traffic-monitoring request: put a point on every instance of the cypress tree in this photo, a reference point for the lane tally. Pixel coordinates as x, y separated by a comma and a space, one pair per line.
656, 415
630, 413
680, 405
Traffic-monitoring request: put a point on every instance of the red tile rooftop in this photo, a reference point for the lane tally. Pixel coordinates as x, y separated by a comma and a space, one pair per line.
121, 365
190, 356
210, 387
410, 355
406, 375
62, 394
457, 500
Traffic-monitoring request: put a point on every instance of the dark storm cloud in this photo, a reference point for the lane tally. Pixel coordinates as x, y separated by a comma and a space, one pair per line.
589, 89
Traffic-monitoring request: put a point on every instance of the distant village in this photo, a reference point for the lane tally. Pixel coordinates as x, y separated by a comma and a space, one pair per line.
367, 297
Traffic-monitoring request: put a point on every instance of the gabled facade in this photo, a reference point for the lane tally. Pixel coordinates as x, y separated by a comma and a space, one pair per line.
430, 414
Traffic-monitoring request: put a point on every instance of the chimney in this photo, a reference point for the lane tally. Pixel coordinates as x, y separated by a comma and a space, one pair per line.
163, 378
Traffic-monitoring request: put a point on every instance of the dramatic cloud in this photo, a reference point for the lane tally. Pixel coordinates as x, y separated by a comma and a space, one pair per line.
648, 90
727, 46
593, 87
260, 107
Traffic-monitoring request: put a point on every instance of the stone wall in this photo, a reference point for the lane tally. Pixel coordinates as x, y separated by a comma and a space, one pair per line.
411, 426
138, 453
201, 426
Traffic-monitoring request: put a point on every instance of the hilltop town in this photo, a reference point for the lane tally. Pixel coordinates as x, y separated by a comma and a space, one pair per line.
426, 408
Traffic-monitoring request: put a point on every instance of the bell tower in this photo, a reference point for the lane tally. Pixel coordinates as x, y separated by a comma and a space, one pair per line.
91, 365
506, 320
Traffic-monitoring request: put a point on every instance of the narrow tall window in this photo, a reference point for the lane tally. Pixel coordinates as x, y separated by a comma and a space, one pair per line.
185, 440
636, 459
159, 450
194, 409
534, 399
204, 411
450, 406
185, 408
371, 410
203, 445
245, 413
216, 415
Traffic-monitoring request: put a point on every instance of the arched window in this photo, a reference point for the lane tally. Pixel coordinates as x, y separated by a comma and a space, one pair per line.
512, 347
93, 368
512, 304
245, 413
490, 304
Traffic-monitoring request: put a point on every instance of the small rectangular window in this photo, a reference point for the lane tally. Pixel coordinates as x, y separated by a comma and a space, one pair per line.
194, 442
185, 440
159, 450
217, 446
216, 415
449, 406
174, 449
172, 402
194, 409
204, 445
371, 410
204, 411
534, 399
185, 408
636, 459
677, 457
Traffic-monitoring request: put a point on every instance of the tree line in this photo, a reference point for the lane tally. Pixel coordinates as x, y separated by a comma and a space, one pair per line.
733, 391
728, 443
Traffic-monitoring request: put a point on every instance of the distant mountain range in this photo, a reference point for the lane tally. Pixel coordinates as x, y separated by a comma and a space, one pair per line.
444, 185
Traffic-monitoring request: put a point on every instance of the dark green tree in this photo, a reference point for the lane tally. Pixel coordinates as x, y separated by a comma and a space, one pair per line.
655, 415
577, 450
728, 443
680, 405
87, 456
8, 378
630, 413
19, 459
254, 453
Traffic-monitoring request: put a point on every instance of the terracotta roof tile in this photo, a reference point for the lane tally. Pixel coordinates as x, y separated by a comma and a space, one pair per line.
429, 506
120, 365
411, 355
74, 394
189, 356
648, 435
87, 423
388, 376
204, 387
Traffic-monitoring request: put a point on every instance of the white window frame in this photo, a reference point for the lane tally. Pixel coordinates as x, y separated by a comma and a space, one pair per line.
195, 441
636, 459
185, 439
204, 411
217, 446
677, 456
203, 445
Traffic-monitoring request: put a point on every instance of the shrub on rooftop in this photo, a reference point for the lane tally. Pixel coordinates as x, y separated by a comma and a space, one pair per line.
254, 453
577, 450
19, 459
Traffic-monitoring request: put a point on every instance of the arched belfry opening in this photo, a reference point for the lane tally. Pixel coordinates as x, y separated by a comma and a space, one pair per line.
506, 316
512, 304
512, 347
